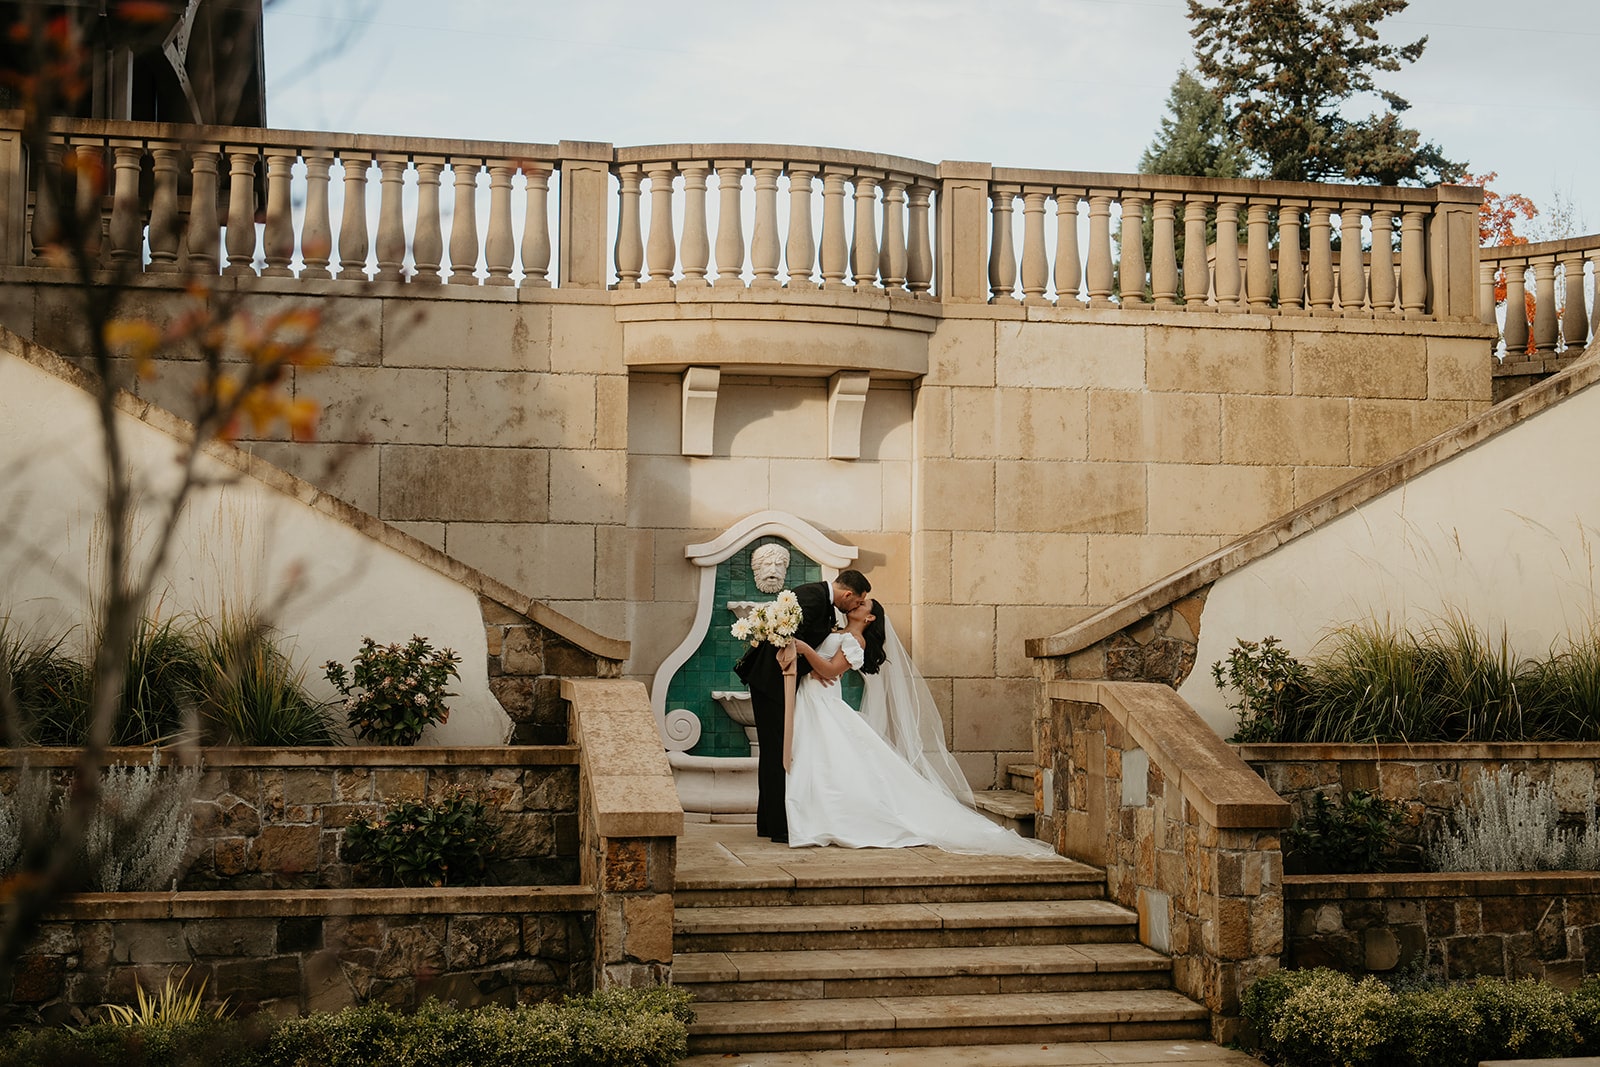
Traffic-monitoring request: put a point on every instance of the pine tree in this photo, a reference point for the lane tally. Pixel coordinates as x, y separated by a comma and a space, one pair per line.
1285, 71
1194, 137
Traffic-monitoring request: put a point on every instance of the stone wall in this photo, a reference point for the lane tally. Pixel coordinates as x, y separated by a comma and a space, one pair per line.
294, 951
1188, 836
1542, 924
526, 663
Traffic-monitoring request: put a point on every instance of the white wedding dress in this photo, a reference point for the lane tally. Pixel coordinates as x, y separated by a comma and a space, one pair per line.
848, 786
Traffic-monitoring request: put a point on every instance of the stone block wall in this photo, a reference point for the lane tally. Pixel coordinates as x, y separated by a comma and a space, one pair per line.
290, 952
526, 664
1541, 924
1187, 834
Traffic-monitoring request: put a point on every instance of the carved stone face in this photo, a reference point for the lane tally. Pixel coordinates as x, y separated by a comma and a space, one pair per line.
769, 564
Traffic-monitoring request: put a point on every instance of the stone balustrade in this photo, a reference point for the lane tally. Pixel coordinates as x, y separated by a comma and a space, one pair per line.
362, 209
1545, 281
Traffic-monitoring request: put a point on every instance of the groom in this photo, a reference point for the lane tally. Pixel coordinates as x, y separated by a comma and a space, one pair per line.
761, 670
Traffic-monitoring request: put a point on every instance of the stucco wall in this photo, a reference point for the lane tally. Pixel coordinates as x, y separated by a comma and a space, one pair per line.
1504, 533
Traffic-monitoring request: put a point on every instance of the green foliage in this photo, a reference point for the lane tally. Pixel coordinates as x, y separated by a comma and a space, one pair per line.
1356, 836
1514, 824
164, 672
394, 692
618, 1028
47, 687
1268, 681
252, 693
1193, 137
450, 841
172, 1006
1321, 1018
1287, 73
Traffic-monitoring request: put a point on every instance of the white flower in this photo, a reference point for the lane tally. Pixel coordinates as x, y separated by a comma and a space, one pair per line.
787, 599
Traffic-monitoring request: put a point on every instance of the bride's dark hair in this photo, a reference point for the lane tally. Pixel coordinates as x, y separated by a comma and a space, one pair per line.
874, 637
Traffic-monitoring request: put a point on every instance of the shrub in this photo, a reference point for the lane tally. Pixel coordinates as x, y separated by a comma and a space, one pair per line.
171, 1006
450, 841
394, 692
1354, 837
165, 671
1268, 681
1513, 824
252, 694
48, 689
1332, 1020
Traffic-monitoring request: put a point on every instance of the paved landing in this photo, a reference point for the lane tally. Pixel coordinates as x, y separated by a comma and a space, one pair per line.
1121, 1053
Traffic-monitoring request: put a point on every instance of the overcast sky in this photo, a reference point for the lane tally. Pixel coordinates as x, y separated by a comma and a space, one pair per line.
1058, 84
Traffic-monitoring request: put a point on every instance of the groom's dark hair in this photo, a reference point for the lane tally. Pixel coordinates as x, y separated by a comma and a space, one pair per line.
854, 581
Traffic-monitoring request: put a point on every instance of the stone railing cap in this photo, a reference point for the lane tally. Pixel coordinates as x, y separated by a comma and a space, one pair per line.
631, 790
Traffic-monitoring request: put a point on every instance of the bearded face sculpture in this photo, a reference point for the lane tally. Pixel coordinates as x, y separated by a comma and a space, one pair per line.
769, 564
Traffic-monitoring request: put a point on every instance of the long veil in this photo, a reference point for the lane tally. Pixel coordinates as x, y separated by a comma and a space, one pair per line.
898, 705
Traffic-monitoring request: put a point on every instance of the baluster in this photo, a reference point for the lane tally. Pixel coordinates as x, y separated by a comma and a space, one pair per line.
353, 243
536, 229
1035, 267
316, 234
277, 245
499, 249
1352, 269
864, 237
835, 252
1069, 263
1574, 323
1227, 269
164, 211
90, 160
464, 226
696, 238
1258, 257
1291, 271
241, 211
1196, 271
46, 229
730, 222
764, 249
630, 247
1101, 272
1164, 253
1546, 327
1133, 251
1516, 331
391, 243
1382, 283
1413, 266
1002, 257
892, 259
801, 247
203, 238
919, 253
127, 228
661, 251
1486, 301
1320, 275
427, 243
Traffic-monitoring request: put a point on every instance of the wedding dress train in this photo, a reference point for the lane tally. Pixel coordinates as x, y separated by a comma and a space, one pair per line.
849, 786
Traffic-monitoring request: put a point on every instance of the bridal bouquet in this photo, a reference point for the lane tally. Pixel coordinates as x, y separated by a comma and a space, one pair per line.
774, 622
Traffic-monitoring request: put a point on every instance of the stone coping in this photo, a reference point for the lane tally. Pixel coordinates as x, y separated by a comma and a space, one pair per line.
630, 788
362, 287
1165, 592
1433, 884
1533, 250
325, 903
1223, 789
299, 489
329, 756
1367, 753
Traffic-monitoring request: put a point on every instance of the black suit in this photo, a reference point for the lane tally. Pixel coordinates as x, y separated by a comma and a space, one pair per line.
765, 679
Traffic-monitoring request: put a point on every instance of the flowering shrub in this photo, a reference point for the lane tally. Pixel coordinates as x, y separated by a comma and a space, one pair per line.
774, 622
395, 691
451, 841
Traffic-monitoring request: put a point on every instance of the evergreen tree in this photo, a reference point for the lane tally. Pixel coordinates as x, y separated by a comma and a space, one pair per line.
1286, 72
1194, 137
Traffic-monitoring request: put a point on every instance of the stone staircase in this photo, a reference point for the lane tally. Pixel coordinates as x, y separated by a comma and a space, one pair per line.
1011, 805
799, 949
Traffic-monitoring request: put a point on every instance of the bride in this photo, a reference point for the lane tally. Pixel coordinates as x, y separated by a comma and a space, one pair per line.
881, 778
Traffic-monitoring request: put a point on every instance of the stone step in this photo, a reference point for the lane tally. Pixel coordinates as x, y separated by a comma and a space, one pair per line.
891, 1022
1020, 776
1188, 1052
811, 880
943, 924
717, 977
1010, 808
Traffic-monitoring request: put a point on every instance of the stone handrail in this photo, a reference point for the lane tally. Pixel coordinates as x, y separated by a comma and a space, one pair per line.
187, 198
1550, 326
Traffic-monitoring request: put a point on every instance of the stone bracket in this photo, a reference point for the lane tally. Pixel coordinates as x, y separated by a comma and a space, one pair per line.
847, 401
700, 386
